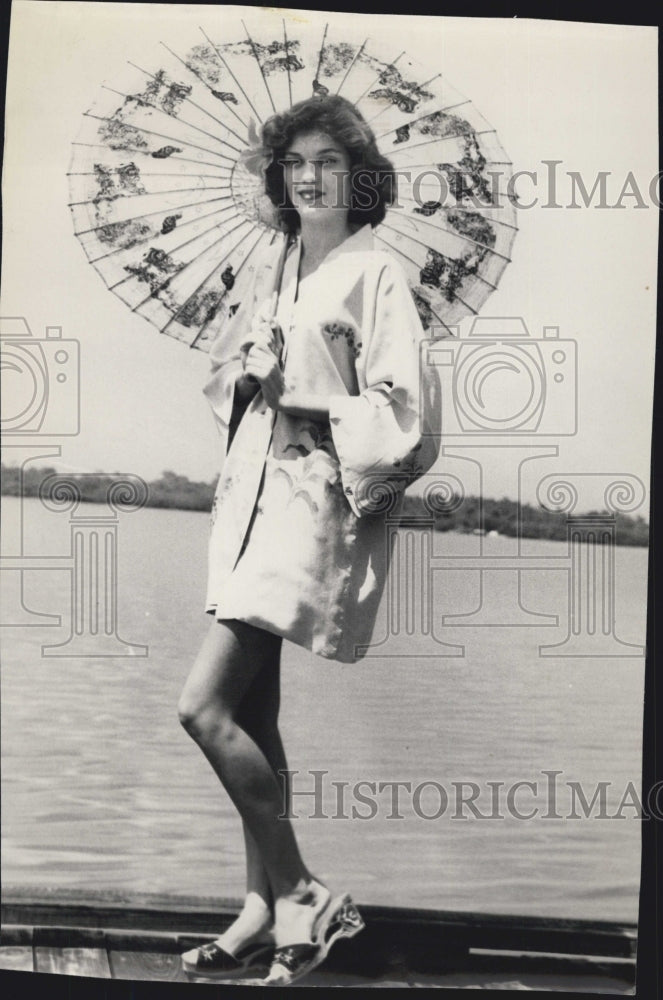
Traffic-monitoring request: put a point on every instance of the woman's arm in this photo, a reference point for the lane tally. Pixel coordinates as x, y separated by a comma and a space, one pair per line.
263, 367
299, 404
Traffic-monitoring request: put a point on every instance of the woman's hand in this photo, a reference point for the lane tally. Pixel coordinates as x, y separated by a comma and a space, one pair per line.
262, 364
263, 347
265, 331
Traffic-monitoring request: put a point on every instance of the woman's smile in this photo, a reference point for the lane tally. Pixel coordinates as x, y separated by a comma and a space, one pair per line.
309, 195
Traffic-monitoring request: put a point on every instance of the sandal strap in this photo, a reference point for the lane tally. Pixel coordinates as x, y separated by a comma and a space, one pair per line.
213, 956
293, 956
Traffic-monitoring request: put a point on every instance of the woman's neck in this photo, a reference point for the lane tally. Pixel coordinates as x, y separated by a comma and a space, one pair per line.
319, 240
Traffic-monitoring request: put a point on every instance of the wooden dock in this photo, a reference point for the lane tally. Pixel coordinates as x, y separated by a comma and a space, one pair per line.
109, 935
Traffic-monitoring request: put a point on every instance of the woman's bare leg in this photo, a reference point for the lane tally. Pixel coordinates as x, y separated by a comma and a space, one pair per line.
231, 657
258, 715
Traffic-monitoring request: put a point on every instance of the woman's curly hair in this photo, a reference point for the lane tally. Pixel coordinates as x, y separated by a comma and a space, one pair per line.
372, 177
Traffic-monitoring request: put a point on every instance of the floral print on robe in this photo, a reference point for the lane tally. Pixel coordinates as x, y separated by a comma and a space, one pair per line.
299, 543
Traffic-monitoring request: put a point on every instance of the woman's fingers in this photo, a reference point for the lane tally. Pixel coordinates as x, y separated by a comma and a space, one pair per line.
262, 365
260, 361
267, 333
263, 335
250, 354
259, 354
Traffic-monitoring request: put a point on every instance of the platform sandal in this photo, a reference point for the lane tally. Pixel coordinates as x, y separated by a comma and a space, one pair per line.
340, 919
213, 961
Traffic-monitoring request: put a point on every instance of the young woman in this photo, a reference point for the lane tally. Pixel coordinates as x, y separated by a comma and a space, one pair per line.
321, 407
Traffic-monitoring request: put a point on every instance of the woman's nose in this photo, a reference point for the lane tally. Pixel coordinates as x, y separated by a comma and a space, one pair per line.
307, 171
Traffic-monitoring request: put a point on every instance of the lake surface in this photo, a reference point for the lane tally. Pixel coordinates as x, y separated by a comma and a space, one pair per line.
102, 789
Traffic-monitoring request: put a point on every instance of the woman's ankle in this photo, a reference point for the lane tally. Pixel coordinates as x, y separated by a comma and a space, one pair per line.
253, 923
308, 891
297, 912
257, 907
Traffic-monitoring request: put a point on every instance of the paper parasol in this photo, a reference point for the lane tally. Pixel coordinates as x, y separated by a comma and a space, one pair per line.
167, 187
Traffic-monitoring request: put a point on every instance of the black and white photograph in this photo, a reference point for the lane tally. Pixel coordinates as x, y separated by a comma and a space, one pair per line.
327, 350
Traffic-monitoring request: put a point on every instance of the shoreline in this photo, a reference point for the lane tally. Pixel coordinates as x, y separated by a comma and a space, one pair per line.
629, 533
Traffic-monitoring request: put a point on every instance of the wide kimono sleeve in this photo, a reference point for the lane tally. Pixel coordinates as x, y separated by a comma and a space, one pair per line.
226, 364
387, 436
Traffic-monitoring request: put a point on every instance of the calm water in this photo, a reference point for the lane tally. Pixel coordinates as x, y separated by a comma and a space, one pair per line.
102, 789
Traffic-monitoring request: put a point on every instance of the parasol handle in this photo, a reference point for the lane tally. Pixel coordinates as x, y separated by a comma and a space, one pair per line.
276, 287
278, 277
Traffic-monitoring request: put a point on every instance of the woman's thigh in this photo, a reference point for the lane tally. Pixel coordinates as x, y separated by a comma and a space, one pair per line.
231, 657
259, 708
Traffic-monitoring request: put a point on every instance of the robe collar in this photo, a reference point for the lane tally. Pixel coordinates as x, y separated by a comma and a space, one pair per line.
362, 239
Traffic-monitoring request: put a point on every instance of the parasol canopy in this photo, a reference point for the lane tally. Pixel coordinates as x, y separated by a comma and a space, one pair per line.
166, 174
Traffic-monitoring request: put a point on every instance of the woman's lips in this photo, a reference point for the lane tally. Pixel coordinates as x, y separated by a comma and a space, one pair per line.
309, 194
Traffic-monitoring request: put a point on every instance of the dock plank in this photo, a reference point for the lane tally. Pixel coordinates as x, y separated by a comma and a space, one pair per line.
17, 957
452, 930
142, 965
141, 938
73, 962
17, 936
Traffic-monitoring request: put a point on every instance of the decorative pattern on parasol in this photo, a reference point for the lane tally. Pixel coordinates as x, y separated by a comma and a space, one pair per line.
167, 187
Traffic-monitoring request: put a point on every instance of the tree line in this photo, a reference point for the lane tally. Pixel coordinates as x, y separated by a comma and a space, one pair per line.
513, 519
506, 517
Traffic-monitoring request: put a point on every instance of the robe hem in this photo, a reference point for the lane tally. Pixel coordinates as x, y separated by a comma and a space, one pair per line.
212, 610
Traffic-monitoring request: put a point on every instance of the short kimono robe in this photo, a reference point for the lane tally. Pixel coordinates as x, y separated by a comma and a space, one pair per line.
299, 543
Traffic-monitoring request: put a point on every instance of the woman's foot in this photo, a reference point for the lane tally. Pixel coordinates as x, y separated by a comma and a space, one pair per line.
254, 924
338, 918
296, 915
247, 944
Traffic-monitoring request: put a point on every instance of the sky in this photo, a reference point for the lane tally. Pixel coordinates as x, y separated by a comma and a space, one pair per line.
580, 94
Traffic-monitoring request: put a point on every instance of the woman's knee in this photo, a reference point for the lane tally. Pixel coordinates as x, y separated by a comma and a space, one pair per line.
223, 682
187, 712
203, 720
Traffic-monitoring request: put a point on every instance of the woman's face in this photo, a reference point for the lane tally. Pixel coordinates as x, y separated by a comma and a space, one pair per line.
316, 170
